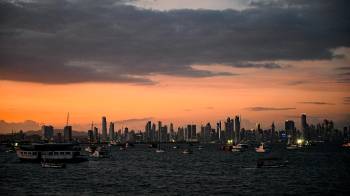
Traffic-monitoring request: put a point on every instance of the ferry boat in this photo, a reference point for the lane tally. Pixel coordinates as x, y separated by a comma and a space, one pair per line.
60, 152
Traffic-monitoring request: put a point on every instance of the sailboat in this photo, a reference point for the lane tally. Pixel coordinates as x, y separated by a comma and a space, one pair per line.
159, 150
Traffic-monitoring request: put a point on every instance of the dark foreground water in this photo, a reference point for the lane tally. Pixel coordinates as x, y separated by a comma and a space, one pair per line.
141, 171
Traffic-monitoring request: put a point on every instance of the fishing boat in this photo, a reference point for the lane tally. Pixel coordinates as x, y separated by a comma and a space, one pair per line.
261, 148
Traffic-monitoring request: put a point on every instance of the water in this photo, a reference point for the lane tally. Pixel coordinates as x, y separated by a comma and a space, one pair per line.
141, 171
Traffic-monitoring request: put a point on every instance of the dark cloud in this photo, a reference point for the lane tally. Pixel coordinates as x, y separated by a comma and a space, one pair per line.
134, 120
261, 109
298, 82
316, 103
58, 41
7, 127
343, 68
346, 100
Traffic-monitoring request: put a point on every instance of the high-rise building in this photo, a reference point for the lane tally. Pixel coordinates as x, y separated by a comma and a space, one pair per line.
47, 132
104, 128
164, 134
194, 132
91, 136
159, 137
304, 125
126, 134
148, 131
96, 135
111, 131
237, 129
218, 130
229, 129
289, 126
67, 133
273, 132
180, 134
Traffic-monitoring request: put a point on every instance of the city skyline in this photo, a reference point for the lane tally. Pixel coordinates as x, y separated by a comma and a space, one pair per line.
174, 61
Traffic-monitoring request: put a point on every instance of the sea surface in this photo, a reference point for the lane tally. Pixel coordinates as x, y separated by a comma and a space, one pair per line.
321, 170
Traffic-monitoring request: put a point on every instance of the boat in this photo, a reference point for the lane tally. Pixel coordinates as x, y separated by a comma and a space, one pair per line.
187, 151
159, 151
261, 148
346, 145
292, 147
200, 147
52, 165
152, 145
176, 147
62, 152
271, 162
100, 152
239, 147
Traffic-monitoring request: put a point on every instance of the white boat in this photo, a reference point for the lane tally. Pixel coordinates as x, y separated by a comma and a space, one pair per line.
52, 165
292, 147
261, 148
187, 151
159, 151
346, 145
100, 152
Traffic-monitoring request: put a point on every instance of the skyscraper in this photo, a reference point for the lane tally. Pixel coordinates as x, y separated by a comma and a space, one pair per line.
104, 128
237, 129
111, 131
304, 125
47, 132
91, 136
67, 133
96, 136
289, 126
148, 131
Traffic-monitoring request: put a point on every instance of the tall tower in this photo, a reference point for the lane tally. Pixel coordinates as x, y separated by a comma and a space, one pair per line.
304, 125
104, 128
237, 129
67, 133
111, 131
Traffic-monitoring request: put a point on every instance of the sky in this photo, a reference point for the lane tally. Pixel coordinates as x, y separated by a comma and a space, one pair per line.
178, 61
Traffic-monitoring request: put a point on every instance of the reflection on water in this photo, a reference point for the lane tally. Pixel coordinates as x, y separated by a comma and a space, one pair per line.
209, 171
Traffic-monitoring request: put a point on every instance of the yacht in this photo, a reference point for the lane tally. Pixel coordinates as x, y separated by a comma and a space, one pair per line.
261, 148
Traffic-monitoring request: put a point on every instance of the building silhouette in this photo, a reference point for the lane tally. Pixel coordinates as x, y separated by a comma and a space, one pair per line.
104, 128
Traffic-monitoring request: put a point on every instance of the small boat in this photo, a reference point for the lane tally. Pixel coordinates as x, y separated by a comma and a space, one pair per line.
271, 162
176, 147
261, 148
346, 145
292, 147
159, 151
200, 147
52, 165
100, 152
187, 151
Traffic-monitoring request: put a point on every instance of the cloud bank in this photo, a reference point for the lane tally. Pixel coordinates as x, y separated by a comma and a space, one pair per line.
74, 41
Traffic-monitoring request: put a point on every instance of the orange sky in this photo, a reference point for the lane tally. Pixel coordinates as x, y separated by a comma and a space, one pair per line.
185, 100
